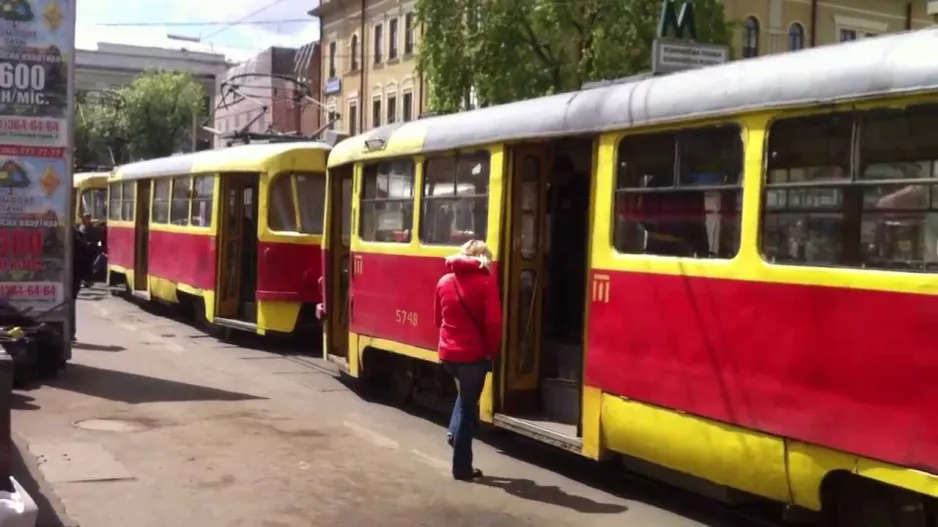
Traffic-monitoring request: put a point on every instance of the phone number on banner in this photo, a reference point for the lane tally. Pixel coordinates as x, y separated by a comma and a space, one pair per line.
31, 291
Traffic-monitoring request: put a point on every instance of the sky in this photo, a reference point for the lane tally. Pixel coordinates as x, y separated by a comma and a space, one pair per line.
154, 19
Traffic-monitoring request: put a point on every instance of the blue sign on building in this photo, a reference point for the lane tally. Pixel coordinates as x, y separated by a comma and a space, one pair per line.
333, 85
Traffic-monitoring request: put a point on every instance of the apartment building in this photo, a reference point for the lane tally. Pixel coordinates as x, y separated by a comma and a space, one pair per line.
369, 46
369, 62
777, 26
282, 114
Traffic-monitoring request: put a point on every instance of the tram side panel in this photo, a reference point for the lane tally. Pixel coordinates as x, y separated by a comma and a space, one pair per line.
121, 254
181, 259
392, 297
288, 283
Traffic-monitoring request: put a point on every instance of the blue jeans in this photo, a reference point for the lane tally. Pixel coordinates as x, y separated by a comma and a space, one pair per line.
470, 378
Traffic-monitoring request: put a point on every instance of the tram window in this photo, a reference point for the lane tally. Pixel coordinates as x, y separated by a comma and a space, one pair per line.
281, 209
127, 201
114, 202
387, 202
94, 202
808, 166
311, 197
680, 193
880, 213
179, 206
455, 199
899, 218
203, 189
161, 201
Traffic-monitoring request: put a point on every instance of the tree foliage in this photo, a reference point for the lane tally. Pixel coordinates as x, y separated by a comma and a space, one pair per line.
152, 117
506, 50
99, 132
159, 108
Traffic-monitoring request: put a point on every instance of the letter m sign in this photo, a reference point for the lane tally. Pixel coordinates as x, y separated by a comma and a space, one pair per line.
682, 24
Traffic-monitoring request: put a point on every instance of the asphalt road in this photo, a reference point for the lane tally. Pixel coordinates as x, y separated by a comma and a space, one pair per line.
155, 423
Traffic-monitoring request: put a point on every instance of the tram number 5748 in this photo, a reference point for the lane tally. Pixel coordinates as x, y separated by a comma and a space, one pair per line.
405, 318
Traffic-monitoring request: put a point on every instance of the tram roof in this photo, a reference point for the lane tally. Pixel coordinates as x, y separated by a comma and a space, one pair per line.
242, 158
887, 65
83, 176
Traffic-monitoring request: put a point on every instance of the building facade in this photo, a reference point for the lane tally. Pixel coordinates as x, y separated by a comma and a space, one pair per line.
776, 26
369, 62
369, 46
264, 101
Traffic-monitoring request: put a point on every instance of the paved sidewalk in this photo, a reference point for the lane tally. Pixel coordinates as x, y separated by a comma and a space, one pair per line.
156, 424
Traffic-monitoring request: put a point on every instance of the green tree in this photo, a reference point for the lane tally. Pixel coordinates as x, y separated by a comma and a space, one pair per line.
100, 129
507, 50
160, 108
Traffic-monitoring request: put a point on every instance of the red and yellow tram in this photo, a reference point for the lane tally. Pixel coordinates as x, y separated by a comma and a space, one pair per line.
730, 273
236, 233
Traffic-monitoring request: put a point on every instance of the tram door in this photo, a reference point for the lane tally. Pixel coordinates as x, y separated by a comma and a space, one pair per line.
141, 235
237, 244
339, 265
525, 279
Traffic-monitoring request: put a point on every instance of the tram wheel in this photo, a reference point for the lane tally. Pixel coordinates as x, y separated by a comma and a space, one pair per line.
864, 503
401, 381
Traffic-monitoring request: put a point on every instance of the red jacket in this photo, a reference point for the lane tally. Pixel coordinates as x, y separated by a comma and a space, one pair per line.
465, 339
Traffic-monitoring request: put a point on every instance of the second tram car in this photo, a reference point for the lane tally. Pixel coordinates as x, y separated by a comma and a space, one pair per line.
234, 232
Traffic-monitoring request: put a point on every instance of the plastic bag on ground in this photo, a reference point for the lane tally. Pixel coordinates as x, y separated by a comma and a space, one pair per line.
17, 508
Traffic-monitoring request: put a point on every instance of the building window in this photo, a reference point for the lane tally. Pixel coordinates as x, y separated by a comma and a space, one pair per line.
353, 53
750, 38
203, 189
387, 202
332, 60
847, 35
854, 189
392, 39
680, 193
407, 106
455, 199
409, 34
353, 118
392, 109
161, 200
795, 37
376, 112
179, 207
379, 43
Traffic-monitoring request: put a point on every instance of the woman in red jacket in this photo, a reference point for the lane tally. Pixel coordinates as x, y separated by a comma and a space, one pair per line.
469, 315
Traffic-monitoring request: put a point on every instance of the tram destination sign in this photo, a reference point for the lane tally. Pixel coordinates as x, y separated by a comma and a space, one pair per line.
668, 56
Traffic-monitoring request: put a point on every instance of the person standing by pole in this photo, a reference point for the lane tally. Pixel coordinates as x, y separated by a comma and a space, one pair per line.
81, 269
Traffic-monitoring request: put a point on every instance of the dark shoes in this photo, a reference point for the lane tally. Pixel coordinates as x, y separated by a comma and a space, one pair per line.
476, 473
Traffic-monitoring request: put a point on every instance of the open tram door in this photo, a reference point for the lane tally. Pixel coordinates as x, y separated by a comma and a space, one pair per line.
337, 266
540, 384
236, 282
141, 238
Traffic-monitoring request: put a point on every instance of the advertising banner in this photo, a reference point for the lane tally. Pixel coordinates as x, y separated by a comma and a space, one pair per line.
36, 51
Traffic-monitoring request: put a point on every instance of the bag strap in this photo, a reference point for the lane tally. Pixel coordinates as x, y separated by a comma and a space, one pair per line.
469, 312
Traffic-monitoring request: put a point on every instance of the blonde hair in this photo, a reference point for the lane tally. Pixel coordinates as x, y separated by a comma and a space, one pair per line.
478, 250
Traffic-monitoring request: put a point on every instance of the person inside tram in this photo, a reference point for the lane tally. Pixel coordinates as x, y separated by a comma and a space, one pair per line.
568, 198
